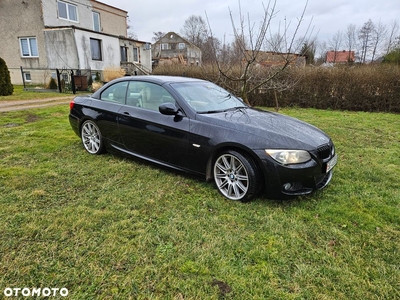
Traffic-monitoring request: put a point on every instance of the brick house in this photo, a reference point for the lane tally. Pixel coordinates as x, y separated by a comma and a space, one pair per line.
44, 35
340, 57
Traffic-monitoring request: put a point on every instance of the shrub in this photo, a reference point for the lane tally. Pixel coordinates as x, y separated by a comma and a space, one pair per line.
111, 73
356, 88
97, 77
6, 88
52, 84
90, 81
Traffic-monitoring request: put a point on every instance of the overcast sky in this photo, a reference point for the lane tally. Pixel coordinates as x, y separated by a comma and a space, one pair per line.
328, 17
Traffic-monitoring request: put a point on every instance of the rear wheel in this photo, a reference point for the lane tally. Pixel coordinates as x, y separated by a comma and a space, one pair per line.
236, 176
91, 137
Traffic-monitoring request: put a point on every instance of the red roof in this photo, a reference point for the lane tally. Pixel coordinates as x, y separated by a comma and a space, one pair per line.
339, 56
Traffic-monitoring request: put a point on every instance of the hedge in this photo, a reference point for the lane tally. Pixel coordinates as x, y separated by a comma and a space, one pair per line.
372, 88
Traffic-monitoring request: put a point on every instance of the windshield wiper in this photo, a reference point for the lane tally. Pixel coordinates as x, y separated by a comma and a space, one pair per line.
211, 111
236, 108
222, 110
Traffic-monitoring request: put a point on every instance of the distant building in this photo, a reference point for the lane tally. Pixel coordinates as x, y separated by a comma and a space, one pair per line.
340, 57
174, 49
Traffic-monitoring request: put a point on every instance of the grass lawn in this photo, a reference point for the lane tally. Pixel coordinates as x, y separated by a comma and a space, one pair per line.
106, 227
20, 94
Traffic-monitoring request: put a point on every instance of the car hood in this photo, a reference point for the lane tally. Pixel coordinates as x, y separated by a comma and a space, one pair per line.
264, 128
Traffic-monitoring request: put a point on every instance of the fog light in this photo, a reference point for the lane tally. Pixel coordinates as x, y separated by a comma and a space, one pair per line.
287, 186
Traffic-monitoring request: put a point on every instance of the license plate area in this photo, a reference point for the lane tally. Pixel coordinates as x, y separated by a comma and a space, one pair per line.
330, 164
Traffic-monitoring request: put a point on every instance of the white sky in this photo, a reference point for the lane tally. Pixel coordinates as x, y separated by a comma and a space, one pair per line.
328, 17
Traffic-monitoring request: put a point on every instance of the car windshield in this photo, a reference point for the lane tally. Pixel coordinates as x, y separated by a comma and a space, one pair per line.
207, 97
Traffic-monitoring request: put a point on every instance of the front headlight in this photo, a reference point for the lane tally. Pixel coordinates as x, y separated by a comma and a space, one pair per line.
287, 157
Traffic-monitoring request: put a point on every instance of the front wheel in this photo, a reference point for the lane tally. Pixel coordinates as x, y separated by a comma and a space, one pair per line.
91, 137
236, 176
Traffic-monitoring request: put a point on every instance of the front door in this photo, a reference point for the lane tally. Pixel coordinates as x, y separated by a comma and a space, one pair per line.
148, 133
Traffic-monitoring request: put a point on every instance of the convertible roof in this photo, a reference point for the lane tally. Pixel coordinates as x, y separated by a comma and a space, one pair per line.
160, 79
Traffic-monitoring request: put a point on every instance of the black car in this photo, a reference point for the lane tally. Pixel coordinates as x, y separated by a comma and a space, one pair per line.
196, 126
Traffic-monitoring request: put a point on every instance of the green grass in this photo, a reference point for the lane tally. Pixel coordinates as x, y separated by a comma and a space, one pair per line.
21, 94
105, 227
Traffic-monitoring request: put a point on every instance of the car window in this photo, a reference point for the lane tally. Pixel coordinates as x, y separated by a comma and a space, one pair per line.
115, 93
207, 97
147, 95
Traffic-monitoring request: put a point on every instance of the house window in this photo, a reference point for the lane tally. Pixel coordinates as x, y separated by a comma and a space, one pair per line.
27, 76
124, 53
96, 21
164, 46
135, 54
182, 46
95, 47
29, 47
67, 11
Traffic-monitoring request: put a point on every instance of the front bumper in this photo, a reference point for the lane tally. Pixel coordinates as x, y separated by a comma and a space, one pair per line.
295, 180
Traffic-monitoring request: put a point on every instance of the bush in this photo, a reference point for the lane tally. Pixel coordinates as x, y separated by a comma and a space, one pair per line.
111, 73
52, 84
356, 88
361, 88
6, 88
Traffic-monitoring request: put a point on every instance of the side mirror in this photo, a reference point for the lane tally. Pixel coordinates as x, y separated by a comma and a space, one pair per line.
168, 109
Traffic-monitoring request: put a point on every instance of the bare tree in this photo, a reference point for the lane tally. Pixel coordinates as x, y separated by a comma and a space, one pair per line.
157, 35
365, 36
275, 43
350, 39
248, 41
335, 43
195, 30
393, 33
322, 50
378, 35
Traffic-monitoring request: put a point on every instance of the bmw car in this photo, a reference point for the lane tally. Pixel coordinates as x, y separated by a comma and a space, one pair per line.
197, 127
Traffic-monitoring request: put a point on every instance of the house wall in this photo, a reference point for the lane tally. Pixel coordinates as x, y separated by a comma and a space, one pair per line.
110, 51
61, 48
112, 20
144, 54
28, 24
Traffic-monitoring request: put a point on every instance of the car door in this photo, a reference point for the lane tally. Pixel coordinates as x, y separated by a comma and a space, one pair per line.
148, 133
107, 110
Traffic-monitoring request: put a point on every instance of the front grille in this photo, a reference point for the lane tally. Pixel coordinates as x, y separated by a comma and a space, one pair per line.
324, 151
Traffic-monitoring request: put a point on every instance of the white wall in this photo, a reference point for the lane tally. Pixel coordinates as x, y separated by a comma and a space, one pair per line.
110, 51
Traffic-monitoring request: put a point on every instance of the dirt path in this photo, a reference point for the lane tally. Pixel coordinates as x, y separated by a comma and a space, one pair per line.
12, 105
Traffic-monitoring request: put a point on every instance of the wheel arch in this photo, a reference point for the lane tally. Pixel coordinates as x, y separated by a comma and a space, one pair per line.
83, 120
235, 147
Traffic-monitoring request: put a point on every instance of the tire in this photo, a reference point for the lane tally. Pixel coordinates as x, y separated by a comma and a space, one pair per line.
236, 176
91, 137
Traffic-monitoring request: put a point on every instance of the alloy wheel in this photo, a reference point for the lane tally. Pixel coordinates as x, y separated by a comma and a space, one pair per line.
91, 138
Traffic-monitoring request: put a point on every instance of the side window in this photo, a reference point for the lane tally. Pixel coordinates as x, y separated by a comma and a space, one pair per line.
95, 48
96, 21
147, 95
115, 93
67, 11
29, 47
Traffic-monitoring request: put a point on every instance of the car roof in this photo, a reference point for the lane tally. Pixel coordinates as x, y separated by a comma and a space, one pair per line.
157, 79
160, 79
